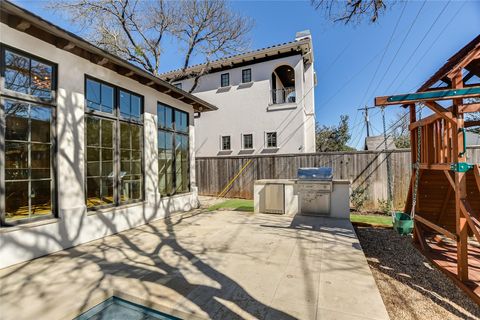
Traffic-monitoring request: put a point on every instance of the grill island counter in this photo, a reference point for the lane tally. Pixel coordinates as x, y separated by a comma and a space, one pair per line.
314, 192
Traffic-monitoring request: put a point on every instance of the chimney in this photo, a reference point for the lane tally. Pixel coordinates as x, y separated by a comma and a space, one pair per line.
303, 35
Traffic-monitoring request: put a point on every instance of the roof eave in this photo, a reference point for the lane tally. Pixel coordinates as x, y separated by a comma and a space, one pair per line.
303, 47
25, 21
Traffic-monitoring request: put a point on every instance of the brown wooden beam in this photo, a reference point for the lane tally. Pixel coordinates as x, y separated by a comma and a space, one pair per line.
435, 166
465, 108
103, 62
470, 107
472, 219
23, 25
476, 173
420, 237
461, 222
435, 227
69, 46
474, 123
430, 96
449, 178
438, 109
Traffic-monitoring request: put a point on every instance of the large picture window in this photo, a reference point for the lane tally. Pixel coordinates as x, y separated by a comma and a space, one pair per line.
114, 145
27, 184
173, 151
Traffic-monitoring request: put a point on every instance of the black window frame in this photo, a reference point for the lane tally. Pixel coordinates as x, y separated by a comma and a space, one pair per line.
268, 142
101, 82
251, 141
32, 100
175, 132
24, 96
222, 143
118, 120
246, 72
225, 80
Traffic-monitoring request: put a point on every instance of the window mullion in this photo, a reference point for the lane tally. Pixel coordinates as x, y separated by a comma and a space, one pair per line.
116, 178
2, 157
100, 150
29, 160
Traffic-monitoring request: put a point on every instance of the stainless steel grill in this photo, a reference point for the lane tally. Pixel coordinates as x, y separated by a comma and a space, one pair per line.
314, 190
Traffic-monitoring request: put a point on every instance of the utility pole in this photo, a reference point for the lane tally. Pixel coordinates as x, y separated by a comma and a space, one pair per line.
367, 120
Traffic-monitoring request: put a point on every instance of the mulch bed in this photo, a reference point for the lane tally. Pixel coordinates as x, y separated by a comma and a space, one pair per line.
410, 286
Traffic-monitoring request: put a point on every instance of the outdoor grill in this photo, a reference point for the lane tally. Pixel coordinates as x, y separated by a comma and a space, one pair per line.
314, 190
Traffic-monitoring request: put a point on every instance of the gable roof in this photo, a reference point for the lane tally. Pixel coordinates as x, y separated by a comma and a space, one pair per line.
302, 46
458, 60
26, 21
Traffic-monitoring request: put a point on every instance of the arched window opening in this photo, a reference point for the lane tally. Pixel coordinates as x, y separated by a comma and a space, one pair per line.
283, 85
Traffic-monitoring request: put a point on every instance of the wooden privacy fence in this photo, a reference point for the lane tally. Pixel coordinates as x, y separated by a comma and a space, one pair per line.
367, 170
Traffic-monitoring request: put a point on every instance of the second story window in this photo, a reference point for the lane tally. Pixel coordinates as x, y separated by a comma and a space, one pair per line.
271, 139
225, 79
246, 75
248, 141
226, 145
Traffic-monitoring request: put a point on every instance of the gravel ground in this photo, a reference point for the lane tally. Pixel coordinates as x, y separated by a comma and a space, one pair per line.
411, 288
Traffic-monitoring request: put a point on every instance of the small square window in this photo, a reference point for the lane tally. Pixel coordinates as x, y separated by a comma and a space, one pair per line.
225, 79
248, 141
271, 139
226, 143
246, 75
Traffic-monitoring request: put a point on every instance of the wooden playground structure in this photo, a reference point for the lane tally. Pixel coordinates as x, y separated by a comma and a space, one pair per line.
447, 197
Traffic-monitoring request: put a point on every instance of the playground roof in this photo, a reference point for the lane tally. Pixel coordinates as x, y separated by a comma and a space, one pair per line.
464, 58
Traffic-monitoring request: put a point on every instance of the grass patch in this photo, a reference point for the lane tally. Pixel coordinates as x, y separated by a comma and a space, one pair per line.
247, 205
234, 204
377, 220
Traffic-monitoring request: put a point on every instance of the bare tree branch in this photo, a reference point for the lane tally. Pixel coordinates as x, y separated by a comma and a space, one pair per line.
352, 10
134, 29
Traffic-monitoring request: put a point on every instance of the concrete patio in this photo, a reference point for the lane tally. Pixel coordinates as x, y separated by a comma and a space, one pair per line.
221, 265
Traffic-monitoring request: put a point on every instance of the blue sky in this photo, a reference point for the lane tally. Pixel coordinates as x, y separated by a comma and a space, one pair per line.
358, 62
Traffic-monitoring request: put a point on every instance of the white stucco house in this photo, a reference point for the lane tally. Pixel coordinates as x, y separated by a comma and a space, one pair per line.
265, 101
90, 145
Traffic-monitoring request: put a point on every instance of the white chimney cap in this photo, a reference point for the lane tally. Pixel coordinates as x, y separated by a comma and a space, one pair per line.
303, 34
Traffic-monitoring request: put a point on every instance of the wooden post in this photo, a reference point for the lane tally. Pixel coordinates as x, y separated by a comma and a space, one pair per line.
460, 184
413, 157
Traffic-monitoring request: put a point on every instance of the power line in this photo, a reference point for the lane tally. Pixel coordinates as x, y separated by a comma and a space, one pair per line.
419, 44
351, 78
337, 57
384, 52
428, 50
400, 47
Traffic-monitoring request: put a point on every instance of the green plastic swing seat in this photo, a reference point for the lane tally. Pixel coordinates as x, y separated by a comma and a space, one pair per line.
403, 223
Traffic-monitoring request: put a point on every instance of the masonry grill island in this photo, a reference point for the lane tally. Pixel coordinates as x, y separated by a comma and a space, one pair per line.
313, 192
314, 186
444, 195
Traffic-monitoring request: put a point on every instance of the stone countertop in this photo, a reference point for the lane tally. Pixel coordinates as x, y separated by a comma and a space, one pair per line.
276, 181
294, 181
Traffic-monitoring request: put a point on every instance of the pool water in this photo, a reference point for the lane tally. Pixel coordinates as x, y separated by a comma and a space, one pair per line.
115, 308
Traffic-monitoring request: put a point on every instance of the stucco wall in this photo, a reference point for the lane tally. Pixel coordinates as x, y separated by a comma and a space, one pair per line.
246, 109
74, 224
